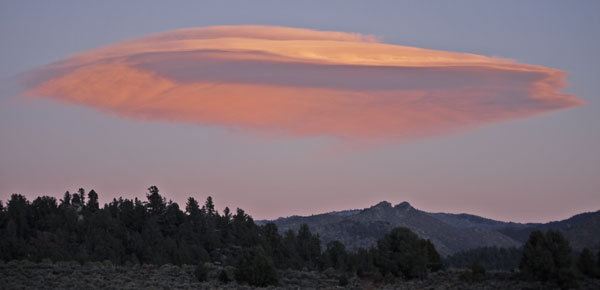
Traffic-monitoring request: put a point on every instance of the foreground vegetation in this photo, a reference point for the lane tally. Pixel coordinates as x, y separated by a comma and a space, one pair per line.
74, 243
158, 232
104, 275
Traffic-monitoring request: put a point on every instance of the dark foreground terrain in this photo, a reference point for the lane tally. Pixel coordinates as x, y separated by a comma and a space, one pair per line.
96, 275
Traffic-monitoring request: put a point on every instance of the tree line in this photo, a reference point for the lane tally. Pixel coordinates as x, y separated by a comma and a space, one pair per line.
545, 257
157, 231
490, 258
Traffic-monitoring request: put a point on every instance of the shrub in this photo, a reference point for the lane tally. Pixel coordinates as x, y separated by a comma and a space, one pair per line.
343, 281
477, 271
201, 272
223, 277
255, 268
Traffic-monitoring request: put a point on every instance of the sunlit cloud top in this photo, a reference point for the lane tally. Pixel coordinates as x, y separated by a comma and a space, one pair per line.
300, 82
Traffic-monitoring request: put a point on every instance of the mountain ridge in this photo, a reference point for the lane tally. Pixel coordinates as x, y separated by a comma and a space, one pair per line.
449, 232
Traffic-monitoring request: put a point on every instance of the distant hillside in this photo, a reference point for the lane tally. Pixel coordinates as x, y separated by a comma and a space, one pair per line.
450, 233
582, 230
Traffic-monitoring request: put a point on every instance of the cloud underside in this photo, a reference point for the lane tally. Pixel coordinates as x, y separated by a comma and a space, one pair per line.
300, 82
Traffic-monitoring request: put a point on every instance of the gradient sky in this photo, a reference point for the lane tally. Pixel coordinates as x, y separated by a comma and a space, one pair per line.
535, 160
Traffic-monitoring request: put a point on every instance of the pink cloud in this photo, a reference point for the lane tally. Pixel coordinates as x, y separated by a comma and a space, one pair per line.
300, 82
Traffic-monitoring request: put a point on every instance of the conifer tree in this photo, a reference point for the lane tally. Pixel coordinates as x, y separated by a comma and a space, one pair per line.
586, 264
255, 268
92, 204
402, 253
209, 207
548, 258
156, 203
66, 200
81, 192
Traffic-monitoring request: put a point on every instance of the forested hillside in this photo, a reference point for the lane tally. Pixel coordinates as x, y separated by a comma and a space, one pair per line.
156, 231
48, 237
450, 233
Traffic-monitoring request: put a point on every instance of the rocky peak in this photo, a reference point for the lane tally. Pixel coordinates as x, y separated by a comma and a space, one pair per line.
403, 206
382, 205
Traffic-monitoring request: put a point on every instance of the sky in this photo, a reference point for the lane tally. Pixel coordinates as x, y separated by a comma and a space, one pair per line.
285, 108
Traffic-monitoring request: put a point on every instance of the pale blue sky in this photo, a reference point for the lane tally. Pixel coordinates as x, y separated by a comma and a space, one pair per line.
537, 169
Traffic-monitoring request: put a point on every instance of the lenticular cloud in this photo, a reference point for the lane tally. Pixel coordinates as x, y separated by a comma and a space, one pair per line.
300, 82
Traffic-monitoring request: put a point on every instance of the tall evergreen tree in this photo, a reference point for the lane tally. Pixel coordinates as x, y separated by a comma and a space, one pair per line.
76, 200
209, 207
403, 254
335, 256
548, 258
308, 247
290, 252
81, 192
255, 268
156, 203
66, 200
92, 204
273, 244
192, 207
586, 264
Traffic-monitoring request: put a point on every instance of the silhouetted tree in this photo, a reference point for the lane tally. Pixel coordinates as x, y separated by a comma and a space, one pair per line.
361, 262
403, 254
209, 207
290, 252
586, 264
255, 268
92, 204
308, 247
548, 258
434, 260
477, 271
156, 203
335, 256
245, 231
273, 244
66, 201
81, 192
76, 200
192, 207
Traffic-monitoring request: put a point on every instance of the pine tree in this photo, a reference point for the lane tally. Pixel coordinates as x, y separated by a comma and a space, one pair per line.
76, 201
66, 201
81, 192
548, 258
290, 251
192, 208
586, 264
308, 247
273, 243
403, 254
209, 207
156, 203
92, 204
255, 268
335, 256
